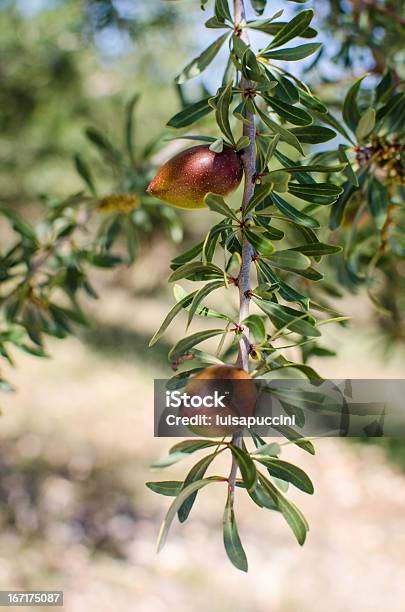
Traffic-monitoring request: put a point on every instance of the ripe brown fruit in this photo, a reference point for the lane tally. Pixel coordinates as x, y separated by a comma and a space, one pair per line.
185, 180
239, 393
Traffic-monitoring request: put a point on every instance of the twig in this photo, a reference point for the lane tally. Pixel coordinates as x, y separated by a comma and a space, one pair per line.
249, 165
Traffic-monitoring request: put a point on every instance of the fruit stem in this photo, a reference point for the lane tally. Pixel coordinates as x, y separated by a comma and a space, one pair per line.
249, 165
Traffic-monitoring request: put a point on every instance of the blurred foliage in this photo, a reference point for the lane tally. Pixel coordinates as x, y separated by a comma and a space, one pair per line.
66, 66
368, 32
45, 268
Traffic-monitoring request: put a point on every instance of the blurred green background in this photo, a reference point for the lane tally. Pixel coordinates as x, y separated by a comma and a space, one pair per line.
76, 440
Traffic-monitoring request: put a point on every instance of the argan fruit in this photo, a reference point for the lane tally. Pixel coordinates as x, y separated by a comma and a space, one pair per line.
185, 180
239, 398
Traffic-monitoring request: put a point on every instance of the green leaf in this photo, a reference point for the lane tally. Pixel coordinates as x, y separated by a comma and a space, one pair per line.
200, 295
287, 91
351, 113
83, 170
170, 488
295, 438
182, 304
193, 445
251, 69
215, 23
348, 171
287, 135
329, 119
317, 249
177, 503
222, 111
383, 91
260, 194
222, 12
279, 180
293, 54
316, 168
316, 193
261, 244
283, 316
259, 496
242, 143
203, 311
232, 543
256, 326
199, 64
391, 117
290, 113
187, 256
197, 472
289, 259
378, 201
292, 213
272, 449
190, 114
129, 126
263, 24
18, 224
187, 343
217, 146
366, 124
291, 30
288, 472
190, 269
309, 372
292, 515
103, 145
198, 138
246, 466
258, 6
181, 451
313, 134
216, 203
211, 240
311, 101
338, 208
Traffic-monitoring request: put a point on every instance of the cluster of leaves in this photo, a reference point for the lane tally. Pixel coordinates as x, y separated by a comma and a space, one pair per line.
266, 491
370, 215
289, 196
45, 266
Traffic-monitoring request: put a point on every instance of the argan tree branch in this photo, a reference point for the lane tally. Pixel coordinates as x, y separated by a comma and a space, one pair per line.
249, 165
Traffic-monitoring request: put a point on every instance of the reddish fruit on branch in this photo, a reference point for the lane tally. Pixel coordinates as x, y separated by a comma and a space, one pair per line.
238, 399
185, 180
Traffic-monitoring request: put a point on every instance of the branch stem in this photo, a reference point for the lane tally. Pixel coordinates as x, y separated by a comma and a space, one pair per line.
249, 166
